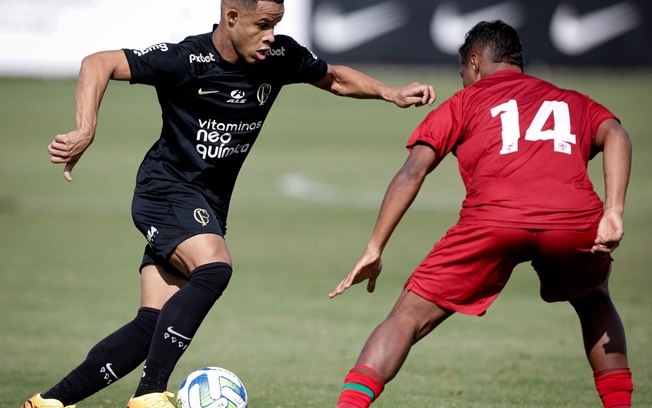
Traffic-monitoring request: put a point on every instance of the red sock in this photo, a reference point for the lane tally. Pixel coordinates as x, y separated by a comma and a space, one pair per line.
614, 387
362, 386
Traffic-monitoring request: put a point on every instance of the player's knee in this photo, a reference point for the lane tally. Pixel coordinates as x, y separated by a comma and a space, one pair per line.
212, 277
558, 293
592, 299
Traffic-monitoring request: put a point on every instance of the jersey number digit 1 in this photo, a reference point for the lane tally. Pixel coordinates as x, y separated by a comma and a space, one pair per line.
511, 132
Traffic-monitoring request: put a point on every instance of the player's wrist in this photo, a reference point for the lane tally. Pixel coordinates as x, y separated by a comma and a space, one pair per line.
86, 132
375, 248
393, 95
613, 208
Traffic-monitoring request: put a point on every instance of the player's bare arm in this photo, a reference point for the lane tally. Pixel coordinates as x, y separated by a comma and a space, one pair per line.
345, 81
399, 196
617, 156
96, 71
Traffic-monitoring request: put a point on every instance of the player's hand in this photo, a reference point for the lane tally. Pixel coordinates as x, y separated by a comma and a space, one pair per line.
367, 267
610, 233
67, 148
415, 94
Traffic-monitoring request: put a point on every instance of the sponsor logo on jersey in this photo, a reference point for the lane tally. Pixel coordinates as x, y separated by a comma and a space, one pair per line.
204, 92
314, 56
276, 52
163, 47
211, 124
214, 138
263, 93
201, 58
237, 96
201, 216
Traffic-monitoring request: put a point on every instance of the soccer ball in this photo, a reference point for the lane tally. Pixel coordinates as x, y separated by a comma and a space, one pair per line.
212, 387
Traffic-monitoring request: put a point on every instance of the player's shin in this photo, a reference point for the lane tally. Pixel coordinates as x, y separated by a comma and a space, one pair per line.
180, 319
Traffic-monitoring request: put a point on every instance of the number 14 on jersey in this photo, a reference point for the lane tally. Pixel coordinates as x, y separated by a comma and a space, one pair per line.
560, 134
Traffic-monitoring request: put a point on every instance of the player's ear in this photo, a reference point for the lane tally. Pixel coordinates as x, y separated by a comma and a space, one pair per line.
231, 17
474, 63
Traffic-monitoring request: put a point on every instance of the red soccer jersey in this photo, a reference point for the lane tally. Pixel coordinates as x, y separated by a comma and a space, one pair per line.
523, 147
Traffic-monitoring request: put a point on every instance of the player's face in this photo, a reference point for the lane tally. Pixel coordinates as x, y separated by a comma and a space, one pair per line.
253, 34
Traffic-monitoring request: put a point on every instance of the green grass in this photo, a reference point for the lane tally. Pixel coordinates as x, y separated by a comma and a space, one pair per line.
69, 253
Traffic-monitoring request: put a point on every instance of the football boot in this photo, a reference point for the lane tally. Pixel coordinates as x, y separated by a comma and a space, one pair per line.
39, 402
152, 400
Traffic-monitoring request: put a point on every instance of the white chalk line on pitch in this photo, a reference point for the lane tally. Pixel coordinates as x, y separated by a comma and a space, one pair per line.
300, 186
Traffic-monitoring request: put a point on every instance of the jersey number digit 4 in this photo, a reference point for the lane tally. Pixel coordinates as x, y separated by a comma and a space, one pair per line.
511, 132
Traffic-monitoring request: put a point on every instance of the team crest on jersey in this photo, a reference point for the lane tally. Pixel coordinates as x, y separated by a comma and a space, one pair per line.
201, 216
263, 93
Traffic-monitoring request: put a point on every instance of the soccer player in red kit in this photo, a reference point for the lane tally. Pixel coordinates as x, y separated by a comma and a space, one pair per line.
522, 146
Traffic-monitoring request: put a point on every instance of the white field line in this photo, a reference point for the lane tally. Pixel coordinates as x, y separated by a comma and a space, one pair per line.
301, 187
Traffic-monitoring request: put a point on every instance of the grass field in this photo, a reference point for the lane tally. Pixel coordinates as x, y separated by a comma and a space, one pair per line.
69, 253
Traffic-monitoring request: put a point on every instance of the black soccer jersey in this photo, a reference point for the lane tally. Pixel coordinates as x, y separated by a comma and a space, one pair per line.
212, 110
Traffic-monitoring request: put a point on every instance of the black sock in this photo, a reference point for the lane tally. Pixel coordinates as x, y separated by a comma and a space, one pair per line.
111, 359
180, 319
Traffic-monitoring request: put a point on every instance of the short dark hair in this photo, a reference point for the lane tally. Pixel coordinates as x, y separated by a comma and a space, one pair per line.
499, 38
252, 3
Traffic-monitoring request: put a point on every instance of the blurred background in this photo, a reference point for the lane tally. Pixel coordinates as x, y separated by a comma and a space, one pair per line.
49, 37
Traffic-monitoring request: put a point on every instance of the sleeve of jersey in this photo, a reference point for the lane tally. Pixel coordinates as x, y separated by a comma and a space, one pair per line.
303, 66
441, 129
597, 115
157, 65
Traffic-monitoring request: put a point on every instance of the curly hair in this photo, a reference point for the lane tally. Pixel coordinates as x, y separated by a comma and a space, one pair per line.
499, 38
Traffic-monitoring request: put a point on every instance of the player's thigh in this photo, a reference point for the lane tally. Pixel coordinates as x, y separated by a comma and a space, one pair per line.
468, 268
182, 229
158, 285
565, 265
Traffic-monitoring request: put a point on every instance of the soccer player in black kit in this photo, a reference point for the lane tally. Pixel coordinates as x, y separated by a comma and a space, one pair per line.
215, 91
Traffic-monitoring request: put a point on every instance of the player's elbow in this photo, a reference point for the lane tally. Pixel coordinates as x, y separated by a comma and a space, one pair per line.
334, 81
413, 173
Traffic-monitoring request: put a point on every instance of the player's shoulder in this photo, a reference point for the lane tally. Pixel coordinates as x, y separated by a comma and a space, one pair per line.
287, 45
197, 42
285, 39
178, 50
554, 90
195, 53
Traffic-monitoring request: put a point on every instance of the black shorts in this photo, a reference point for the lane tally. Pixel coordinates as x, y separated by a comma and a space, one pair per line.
168, 215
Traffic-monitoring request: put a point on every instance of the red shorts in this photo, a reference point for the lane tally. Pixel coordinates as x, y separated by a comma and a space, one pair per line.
468, 268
